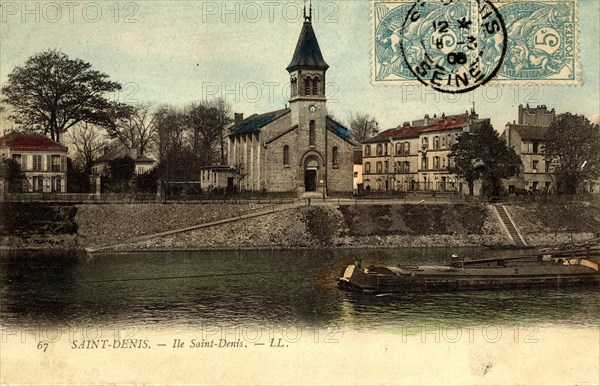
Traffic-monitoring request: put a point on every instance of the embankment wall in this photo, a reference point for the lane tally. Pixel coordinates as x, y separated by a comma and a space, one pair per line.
52, 226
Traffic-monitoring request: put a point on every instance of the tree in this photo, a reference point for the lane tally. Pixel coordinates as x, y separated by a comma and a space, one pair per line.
89, 143
207, 122
170, 131
363, 126
78, 181
136, 129
482, 154
51, 93
13, 175
572, 144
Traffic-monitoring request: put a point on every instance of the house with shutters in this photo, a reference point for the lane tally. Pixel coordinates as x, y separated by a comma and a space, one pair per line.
415, 156
42, 160
298, 149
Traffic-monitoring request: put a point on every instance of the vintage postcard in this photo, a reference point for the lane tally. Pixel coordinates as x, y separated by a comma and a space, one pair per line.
220, 192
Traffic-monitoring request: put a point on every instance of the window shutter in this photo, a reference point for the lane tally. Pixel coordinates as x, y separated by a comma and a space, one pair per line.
63, 163
48, 162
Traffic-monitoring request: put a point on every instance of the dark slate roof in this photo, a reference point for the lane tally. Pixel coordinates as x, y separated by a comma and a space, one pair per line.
308, 53
30, 142
257, 121
339, 130
531, 133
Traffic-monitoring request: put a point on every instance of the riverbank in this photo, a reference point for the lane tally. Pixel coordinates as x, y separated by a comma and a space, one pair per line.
390, 225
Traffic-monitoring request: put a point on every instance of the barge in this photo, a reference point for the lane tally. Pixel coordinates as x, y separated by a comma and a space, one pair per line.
482, 274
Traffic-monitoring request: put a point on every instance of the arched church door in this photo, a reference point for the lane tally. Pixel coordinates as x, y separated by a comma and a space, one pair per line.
310, 174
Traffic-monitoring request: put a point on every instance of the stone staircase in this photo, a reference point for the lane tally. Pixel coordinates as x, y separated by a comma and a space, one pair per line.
510, 226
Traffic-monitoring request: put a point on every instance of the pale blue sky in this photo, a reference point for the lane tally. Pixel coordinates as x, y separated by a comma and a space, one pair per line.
177, 52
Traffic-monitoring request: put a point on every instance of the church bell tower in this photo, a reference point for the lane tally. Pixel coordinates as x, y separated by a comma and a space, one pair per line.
307, 79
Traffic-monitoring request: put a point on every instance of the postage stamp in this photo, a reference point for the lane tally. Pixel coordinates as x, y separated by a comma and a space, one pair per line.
456, 46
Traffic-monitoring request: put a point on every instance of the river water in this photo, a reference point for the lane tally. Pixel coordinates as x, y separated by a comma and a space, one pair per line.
292, 287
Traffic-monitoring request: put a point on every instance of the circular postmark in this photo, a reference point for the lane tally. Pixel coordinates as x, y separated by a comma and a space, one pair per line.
454, 46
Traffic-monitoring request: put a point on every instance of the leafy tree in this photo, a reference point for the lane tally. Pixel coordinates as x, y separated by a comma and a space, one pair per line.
363, 126
147, 182
482, 154
78, 181
122, 168
183, 165
13, 175
51, 93
572, 144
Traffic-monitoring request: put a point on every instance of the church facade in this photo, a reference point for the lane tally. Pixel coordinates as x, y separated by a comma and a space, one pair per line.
299, 149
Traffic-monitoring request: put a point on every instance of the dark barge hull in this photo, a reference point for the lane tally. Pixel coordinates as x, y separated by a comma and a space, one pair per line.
377, 280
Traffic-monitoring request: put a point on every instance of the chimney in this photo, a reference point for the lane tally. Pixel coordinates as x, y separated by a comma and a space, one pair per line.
426, 120
238, 118
406, 124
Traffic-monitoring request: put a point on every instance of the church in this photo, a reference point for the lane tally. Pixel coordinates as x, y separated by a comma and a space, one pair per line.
300, 149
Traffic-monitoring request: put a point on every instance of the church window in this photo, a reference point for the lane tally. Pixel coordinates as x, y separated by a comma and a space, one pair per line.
294, 87
307, 86
312, 135
334, 156
315, 86
286, 155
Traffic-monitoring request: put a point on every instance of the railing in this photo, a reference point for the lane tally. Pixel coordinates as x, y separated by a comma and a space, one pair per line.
373, 197
85, 198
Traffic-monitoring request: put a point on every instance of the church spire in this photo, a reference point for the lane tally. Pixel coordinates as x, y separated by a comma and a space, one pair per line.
308, 19
308, 54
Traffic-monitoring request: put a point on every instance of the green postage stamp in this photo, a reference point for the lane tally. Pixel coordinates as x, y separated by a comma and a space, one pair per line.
457, 45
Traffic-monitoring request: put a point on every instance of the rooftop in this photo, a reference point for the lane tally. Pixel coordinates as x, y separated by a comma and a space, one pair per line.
30, 142
443, 123
257, 121
307, 53
530, 133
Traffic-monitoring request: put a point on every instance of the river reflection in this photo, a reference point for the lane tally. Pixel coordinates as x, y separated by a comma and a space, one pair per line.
295, 287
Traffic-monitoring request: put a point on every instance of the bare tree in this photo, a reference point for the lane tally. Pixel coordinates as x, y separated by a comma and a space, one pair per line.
89, 142
363, 126
136, 130
207, 122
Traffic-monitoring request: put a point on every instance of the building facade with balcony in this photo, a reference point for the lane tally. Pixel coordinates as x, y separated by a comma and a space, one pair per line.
42, 160
415, 156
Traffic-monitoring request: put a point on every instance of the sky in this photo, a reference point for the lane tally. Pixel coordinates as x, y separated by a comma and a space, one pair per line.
176, 52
